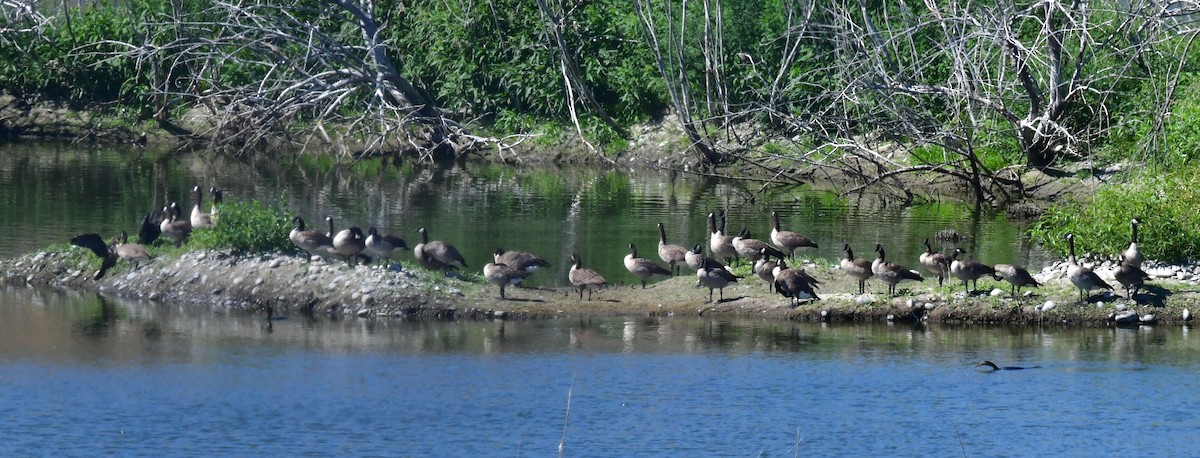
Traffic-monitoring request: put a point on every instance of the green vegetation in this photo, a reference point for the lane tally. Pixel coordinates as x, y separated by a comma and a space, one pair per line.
1170, 229
246, 227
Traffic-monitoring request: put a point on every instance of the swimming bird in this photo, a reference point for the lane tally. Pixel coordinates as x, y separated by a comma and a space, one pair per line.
1016, 276
752, 249
521, 260
442, 252
1080, 276
584, 278
349, 244
891, 273
673, 255
713, 276
314, 242
719, 244
856, 268
968, 270
641, 267
199, 219
503, 275
795, 284
1005, 368
174, 228
1132, 255
787, 240
937, 263
380, 246
1131, 277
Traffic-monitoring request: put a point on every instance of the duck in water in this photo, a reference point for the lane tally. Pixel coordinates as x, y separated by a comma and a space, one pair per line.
1005, 368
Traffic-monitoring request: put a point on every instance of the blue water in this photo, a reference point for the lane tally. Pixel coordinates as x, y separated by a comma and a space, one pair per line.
83, 377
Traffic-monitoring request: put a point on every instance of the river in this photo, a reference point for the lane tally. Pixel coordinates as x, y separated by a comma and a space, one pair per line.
84, 375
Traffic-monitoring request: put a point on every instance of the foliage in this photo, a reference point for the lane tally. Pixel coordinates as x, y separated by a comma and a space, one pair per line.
1170, 229
246, 227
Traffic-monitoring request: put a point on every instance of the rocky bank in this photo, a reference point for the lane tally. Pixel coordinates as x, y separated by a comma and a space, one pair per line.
295, 284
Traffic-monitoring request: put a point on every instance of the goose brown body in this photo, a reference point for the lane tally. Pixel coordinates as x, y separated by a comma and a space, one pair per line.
583, 278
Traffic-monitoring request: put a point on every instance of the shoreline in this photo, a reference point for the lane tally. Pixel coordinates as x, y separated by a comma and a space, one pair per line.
293, 284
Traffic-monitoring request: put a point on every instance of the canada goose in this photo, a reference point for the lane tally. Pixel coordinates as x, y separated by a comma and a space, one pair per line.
349, 243
1080, 276
857, 268
1132, 255
937, 263
216, 203
787, 240
1130, 276
968, 270
520, 260
131, 252
96, 244
891, 273
584, 278
314, 242
151, 227
695, 258
753, 249
1005, 368
426, 259
381, 246
199, 219
764, 268
673, 255
174, 228
713, 277
503, 275
641, 267
1017, 276
719, 244
440, 251
795, 284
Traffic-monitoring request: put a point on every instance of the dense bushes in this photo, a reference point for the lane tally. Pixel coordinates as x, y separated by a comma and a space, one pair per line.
247, 227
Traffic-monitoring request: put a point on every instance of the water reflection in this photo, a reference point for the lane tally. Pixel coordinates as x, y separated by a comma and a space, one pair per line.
83, 374
61, 190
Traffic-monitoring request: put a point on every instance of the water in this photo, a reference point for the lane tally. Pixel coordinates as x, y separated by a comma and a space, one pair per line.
51, 192
82, 376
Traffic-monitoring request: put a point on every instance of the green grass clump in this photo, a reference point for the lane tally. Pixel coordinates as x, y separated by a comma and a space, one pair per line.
1165, 202
246, 227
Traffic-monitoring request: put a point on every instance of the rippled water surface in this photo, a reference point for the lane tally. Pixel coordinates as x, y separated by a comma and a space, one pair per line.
83, 376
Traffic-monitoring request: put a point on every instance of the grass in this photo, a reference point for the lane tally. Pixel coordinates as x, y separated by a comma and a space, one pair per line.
1170, 229
246, 227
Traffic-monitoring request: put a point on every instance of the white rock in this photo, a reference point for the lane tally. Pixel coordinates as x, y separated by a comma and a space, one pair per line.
909, 303
363, 312
1048, 306
1099, 304
996, 292
1148, 318
1120, 307
929, 306
863, 299
1187, 315
891, 317
276, 263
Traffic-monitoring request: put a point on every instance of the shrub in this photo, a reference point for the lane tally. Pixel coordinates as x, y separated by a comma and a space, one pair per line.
1170, 229
246, 227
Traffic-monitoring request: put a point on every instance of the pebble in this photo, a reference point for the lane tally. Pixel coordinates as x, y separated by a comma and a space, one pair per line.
863, 299
216, 291
909, 303
259, 281
929, 306
1119, 307
1148, 318
275, 263
1187, 315
1127, 316
996, 292
362, 312
1048, 306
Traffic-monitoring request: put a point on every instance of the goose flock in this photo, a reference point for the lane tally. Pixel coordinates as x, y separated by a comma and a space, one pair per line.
768, 260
